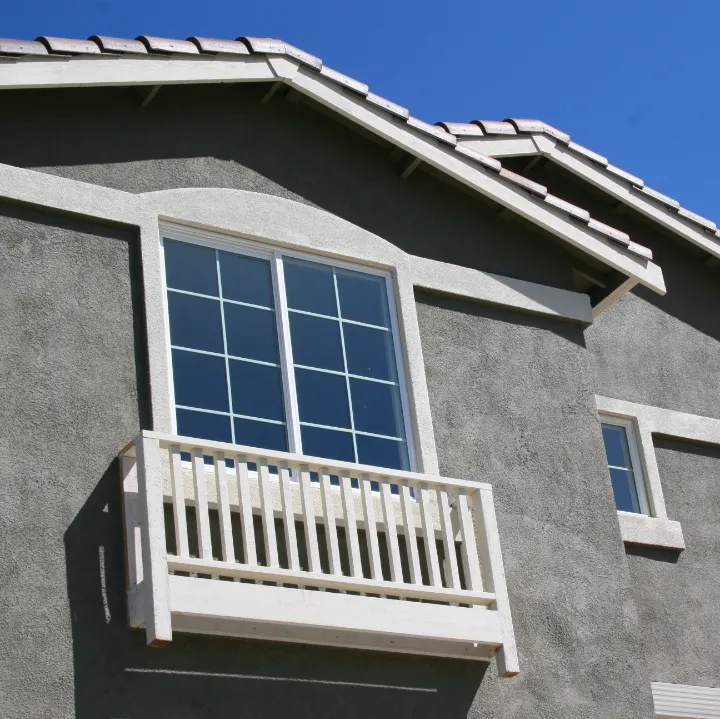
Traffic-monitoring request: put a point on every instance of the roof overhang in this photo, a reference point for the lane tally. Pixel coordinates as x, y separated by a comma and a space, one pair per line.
429, 144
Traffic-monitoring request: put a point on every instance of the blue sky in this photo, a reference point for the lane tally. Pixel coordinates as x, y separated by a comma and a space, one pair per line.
636, 80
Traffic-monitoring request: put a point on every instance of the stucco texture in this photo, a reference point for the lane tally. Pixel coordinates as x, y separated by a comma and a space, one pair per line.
512, 405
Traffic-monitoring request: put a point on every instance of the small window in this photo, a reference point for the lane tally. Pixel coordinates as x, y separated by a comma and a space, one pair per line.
624, 464
276, 351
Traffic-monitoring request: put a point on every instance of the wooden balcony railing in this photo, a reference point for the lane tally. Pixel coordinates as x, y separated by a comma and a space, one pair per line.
231, 540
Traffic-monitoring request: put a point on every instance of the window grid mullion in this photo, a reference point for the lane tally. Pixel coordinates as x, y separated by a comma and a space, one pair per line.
225, 345
292, 411
345, 365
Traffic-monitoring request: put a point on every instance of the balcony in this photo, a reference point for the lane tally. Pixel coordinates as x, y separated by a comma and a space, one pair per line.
229, 540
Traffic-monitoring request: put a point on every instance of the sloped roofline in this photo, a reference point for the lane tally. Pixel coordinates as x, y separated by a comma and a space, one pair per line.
103, 61
513, 137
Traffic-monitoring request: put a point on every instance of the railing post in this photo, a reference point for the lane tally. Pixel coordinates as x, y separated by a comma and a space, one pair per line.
494, 578
154, 549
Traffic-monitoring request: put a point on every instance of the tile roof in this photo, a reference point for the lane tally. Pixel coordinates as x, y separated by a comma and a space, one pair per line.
514, 126
445, 132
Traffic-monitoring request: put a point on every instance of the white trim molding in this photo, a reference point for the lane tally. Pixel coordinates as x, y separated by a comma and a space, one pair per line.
682, 701
656, 530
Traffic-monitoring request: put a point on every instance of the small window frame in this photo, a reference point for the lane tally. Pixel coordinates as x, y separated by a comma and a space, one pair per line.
274, 254
636, 462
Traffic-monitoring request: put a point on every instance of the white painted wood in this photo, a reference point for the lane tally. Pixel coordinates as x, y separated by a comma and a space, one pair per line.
406, 502
494, 579
452, 574
246, 513
329, 581
471, 563
681, 701
308, 512
132, 518
107, 70
158, 625
266, 512
202, 516
223, 500
371, 533
271, 612
431, 555
331, 536
274, 456
288, 517
178, 493
351, 534
391, 537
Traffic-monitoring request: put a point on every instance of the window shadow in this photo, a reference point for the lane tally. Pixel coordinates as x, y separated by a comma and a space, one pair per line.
656, 554
116, 674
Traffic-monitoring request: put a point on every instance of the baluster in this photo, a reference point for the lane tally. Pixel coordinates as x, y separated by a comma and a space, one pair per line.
223, 501
311, 540
266, 511
202, 518
431, 555
371, 528
178, 490
471, 563
410, 539
351, 534
288, 517
329, 520
452, 575
391, 530
248, 529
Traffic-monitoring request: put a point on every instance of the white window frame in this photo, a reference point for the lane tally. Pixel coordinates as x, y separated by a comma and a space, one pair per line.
654, 529
636, 463
266, 251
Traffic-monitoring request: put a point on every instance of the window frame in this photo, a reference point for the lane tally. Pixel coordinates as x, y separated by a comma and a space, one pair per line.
636, 462
264, 250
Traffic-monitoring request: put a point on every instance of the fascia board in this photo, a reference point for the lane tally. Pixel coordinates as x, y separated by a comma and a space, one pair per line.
471, 175
109, 70
622, 191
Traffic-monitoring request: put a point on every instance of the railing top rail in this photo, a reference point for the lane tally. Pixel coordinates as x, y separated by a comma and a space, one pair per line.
252, 453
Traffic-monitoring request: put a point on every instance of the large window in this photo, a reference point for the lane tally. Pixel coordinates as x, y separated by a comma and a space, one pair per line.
275, 351
624, 465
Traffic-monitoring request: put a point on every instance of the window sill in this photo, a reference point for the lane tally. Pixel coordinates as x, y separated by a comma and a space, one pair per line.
651, 531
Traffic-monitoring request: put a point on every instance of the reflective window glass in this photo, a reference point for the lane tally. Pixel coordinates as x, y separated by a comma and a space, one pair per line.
620, 465
190, 267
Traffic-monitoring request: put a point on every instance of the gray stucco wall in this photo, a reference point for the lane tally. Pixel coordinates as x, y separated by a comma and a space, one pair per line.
512, 405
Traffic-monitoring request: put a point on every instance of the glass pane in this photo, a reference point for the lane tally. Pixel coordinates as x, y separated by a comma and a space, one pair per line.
623, 483
327, 443
260, 434
369, 352
251, 332
616, 446
203, 425
195, 322
316, 342
363, 297
310, 287
190, 267
256, 390
382, 452
322, 398
376, 408
246, 279
200, 380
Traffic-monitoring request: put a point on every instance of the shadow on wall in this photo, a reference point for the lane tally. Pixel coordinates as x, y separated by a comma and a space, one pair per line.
197, 677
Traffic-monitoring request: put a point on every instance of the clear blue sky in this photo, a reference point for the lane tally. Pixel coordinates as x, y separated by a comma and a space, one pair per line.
636, 80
